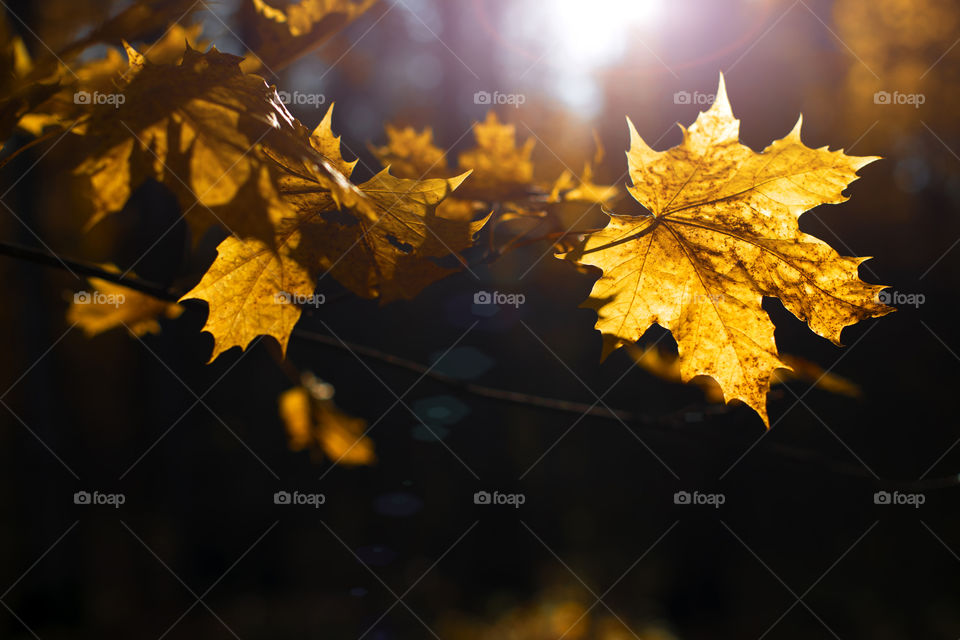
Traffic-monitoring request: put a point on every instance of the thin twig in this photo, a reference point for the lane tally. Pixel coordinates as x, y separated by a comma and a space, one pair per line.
90, 269
29, 145
469, 387
666, 424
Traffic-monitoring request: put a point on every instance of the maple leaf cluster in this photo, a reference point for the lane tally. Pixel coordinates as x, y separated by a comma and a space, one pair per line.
721, 232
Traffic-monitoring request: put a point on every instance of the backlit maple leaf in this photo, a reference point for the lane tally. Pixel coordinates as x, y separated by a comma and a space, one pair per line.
207, 131
383, 245
722, 234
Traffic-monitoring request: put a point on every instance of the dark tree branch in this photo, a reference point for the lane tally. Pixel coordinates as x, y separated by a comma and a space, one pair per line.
471, 388
667, 424
89, 269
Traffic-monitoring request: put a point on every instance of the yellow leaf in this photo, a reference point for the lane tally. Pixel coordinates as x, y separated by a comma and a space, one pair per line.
389, 249
722, 234
569, 189
341, 436
100, 76
110, 305
393, 256
208, 132
411, 154
253, 286
282, 36
384, 244
500, 168
328, 145
318, 422
296, 411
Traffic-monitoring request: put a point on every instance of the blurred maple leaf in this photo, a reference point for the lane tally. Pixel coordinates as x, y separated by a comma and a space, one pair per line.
501, 169
411, 154
314, 421
502, 173
111, 305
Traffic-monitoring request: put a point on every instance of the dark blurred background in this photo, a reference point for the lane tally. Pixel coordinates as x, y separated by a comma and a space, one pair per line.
798, 550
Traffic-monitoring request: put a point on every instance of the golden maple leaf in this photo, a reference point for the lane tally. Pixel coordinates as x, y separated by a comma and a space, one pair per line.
568, 188
111, 305
411, 154
207, 131
283, 35
312, 419
501, 169
254, 286
99, 76
723, 233
388, 251
393, 256
386, 248
504, 171
501, 172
